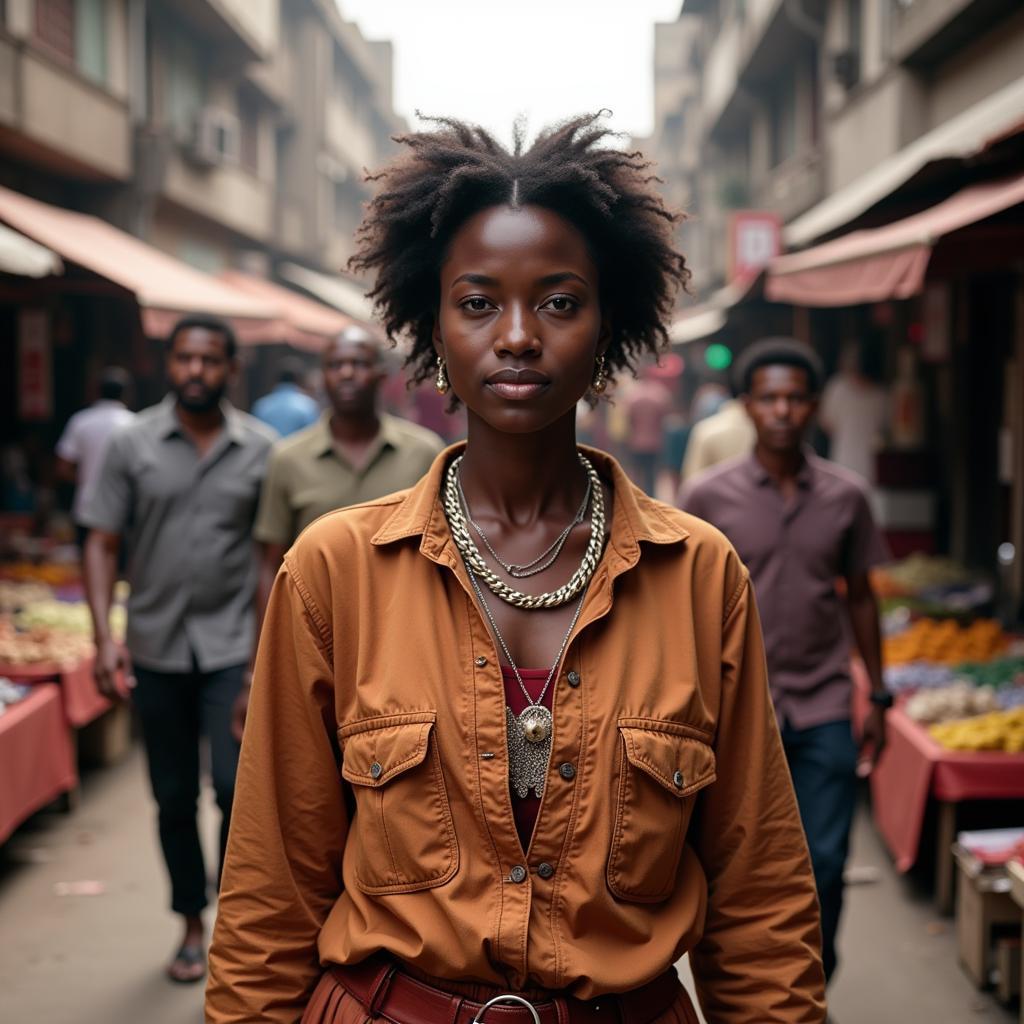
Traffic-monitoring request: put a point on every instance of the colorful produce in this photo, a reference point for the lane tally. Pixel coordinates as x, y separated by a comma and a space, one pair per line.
999, 730
945, 642
41, 645
918, 573
960, 700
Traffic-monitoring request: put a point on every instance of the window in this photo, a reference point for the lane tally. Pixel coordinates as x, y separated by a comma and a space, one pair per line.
75, 31
783, 114
249, 116
184, 83
55, 27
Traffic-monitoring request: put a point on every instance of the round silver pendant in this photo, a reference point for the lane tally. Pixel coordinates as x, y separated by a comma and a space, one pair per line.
536, 724
529, 748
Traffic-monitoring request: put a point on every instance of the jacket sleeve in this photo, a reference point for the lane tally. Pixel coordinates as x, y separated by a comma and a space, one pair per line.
282, 873
759, 961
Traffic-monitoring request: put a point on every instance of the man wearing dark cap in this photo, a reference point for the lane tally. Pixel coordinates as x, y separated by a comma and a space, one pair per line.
800, 523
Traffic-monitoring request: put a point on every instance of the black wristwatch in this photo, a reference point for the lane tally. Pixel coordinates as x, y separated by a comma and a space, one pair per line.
881, 699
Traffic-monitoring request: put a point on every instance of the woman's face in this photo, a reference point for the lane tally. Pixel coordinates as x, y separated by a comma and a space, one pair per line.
520, 322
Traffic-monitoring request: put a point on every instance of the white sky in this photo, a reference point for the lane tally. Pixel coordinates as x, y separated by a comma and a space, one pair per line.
489, 60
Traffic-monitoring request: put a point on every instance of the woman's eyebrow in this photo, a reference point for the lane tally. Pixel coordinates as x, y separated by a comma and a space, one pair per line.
561, 278
475, 279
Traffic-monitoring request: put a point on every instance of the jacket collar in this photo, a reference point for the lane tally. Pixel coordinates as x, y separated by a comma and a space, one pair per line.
635, 516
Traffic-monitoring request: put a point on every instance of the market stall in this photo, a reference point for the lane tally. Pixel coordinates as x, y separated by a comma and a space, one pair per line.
956, 733
36, 756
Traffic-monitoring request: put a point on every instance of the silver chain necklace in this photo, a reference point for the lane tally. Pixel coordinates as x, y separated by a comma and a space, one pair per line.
474, 560
527, 569
529, 735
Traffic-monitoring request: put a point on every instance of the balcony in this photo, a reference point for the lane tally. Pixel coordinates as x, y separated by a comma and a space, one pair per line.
244, 30
794, 186
53, 117
926, 32
228, 195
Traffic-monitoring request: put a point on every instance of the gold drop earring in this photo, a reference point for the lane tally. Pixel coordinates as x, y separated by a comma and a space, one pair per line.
441, 381
600, 381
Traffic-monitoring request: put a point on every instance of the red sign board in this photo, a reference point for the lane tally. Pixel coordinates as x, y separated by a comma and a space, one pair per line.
35, 366
755, 238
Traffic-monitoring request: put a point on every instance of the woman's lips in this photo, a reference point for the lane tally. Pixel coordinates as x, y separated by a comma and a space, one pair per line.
518, 391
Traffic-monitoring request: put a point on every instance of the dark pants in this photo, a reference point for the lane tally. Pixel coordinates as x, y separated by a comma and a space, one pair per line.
823, 763
174, 709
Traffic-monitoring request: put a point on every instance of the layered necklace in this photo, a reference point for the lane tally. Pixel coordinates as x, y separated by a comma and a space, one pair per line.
529, 734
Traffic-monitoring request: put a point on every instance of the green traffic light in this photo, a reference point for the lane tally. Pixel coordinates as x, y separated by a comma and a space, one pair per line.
718, 357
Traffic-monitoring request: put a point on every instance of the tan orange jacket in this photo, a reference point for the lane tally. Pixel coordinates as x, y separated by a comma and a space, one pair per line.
365, 817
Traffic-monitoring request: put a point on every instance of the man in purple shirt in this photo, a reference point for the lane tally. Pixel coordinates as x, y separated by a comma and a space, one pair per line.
801, 523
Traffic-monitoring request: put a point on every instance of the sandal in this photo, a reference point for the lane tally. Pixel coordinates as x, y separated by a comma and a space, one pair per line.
188, 965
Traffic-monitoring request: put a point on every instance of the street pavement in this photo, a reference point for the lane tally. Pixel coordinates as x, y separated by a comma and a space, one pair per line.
98, 959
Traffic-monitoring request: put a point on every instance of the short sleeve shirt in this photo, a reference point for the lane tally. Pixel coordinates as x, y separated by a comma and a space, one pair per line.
795, 552
188, 524
308, 476
85, 440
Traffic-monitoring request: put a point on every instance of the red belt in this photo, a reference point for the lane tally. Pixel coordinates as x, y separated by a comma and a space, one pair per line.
385, 991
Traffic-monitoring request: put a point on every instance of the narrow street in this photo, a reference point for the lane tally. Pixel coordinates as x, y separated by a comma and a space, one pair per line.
98, 959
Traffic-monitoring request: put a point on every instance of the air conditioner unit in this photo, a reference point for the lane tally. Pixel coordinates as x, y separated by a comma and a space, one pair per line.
216, 138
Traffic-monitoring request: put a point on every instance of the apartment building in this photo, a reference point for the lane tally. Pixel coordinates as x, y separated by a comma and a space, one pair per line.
225, 132
801, 102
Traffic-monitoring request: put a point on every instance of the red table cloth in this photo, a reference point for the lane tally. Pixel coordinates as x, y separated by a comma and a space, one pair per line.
36, 758
83, 703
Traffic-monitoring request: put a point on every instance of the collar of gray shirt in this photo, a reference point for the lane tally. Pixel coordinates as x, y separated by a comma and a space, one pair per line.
168, 424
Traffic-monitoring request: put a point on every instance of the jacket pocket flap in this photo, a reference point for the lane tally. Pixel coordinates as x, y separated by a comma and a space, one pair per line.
680, 764
376, 750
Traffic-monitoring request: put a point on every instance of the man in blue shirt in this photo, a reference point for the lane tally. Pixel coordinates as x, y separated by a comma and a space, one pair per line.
287, 408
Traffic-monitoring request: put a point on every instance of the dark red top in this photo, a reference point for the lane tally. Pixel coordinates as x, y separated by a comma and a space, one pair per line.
525, 809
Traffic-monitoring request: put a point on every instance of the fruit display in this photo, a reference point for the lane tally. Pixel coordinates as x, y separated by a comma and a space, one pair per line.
14, 596
54, 574
919, 573
960, 700
41, 646
945, 642
998, 730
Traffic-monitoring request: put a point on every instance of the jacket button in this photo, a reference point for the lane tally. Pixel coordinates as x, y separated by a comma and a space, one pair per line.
677, 780
481, 662
545, 870
518, 874
567, 771
573, 678
376, 771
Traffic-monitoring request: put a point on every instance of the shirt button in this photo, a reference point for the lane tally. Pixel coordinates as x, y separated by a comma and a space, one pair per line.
376, 771
567, 771
481, 662
518, 874
677, 780
573, 678
545, 870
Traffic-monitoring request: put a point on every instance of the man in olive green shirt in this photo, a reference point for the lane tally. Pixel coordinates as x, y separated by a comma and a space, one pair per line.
354, 453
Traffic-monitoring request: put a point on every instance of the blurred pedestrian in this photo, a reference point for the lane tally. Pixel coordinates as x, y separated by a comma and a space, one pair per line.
647, 405
392, 858
288, 408
84, 440
800, 523
854, 413
353, 453
722, 435
179, 484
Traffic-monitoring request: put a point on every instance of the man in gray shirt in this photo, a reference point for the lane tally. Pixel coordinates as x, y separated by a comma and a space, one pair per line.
180, 484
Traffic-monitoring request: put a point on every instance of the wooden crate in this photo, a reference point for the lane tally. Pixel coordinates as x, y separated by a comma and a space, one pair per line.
983, 902
107, 739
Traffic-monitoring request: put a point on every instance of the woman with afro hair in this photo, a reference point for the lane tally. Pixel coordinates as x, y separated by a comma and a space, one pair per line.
510, 752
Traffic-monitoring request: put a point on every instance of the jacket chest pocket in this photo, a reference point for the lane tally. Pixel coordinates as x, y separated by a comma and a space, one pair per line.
661, 769
402, 836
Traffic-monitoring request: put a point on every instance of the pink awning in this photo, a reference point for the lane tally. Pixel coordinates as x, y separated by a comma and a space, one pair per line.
306, 323
887, 262
165, 287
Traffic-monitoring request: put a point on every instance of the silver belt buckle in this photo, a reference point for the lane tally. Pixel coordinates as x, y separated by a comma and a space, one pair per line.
507, 999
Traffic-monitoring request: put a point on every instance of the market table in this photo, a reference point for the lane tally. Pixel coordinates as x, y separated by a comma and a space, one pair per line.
36, 758
914, 769
82, 702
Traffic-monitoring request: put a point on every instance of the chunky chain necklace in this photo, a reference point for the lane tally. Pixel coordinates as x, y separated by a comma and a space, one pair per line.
529, 735
457, 522
527, 569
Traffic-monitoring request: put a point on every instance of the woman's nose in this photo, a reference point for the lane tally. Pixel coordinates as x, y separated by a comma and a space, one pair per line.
517, 332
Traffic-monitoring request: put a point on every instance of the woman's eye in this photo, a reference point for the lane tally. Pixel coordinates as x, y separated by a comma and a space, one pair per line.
476, 304
561, 303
